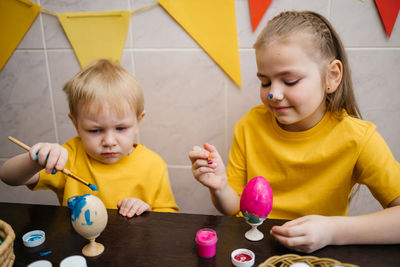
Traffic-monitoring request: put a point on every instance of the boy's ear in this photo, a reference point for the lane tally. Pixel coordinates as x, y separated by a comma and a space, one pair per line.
334, 76
73, 121
141, 116
139, 120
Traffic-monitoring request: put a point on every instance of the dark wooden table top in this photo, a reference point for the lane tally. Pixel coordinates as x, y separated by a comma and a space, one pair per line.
163, 239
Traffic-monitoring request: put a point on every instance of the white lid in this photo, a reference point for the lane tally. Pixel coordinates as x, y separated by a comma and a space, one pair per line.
34, 238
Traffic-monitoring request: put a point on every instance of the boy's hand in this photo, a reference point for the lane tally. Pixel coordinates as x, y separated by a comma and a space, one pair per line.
131, 206
49, 155
305, 234
208, 167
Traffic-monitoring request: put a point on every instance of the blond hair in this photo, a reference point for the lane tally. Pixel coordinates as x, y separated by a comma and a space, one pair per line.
326, 41
104, 82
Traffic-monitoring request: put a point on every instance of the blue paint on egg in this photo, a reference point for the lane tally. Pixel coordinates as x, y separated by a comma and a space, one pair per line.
75, 206
87, 217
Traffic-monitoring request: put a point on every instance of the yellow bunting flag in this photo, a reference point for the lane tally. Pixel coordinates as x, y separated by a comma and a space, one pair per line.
96, 34
213, 25
16, 17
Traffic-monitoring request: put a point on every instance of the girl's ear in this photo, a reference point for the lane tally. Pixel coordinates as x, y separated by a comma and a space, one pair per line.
334, 76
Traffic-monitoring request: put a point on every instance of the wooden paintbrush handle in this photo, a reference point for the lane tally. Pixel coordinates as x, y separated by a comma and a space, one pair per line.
70, 174
27, 148
65, 171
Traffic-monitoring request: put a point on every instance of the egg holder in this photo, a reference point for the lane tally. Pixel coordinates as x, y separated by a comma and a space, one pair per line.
253, 234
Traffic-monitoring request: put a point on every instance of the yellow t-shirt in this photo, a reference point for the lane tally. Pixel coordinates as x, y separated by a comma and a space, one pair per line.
143, 175
314, 171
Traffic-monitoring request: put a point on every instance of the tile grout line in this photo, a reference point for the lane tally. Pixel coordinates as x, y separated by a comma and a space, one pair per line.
49, 79
133, 69
179, 166
329, 9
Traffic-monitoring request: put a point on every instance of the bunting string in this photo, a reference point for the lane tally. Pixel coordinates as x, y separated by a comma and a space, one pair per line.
48, 12
212, 24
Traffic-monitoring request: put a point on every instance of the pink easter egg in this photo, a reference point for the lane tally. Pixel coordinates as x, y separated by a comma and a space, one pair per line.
256, 199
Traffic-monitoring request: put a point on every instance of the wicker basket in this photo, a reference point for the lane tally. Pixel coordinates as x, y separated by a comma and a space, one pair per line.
288, 259
7, 234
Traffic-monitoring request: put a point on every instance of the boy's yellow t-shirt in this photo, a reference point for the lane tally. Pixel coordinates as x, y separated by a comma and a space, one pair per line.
143, 174
314, 171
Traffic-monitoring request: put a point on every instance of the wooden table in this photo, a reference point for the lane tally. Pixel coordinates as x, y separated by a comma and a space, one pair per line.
163, 239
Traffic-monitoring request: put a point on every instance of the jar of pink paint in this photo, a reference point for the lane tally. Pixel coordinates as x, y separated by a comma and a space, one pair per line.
206, 240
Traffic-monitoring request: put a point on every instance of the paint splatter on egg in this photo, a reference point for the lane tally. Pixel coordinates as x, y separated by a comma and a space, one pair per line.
256, 200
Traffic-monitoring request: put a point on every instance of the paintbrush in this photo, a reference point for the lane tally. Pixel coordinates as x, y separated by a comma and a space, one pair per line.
65, 171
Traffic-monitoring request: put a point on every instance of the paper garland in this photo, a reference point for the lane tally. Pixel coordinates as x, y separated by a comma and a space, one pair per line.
16, 17
388, 9
96, 34
257, 11
212, 24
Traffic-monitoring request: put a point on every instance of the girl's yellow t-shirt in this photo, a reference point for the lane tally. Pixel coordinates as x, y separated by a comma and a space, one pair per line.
314, 171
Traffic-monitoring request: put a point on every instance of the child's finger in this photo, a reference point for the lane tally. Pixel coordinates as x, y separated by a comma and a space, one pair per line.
142, 209
213, 152
290, 231
131, 212
42, 155
292, 242
197, 153
62, 160
52, 159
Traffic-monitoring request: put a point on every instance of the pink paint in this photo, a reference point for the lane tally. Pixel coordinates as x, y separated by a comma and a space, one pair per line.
242, 257
206, 240
257, 197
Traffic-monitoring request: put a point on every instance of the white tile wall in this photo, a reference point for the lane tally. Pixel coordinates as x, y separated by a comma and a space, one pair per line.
189, 99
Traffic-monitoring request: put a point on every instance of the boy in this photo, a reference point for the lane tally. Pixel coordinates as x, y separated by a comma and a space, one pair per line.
106, 107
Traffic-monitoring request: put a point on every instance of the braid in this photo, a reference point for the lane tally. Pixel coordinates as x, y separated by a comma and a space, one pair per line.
327, 42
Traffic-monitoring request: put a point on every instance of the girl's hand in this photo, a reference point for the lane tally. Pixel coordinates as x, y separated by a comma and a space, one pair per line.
131, 206
208, 167
305, 234
51, 156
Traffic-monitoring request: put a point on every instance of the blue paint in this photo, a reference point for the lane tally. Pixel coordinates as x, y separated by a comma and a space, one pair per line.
271, 96
75, 206
93, 187
87, 217
54, 171
45, 253
34, 237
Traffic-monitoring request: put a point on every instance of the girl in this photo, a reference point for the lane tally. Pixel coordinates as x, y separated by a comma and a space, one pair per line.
309, 141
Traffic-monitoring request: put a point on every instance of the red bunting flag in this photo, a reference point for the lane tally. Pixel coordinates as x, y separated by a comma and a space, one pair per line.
388, 9
257, 11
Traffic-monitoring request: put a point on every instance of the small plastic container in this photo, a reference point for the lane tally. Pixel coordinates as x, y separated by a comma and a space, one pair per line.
40, 263
34, 238
73, 261
242, 257
206, 240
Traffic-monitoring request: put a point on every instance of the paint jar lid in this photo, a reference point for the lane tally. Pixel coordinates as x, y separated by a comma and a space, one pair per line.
34, 238
242, 257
